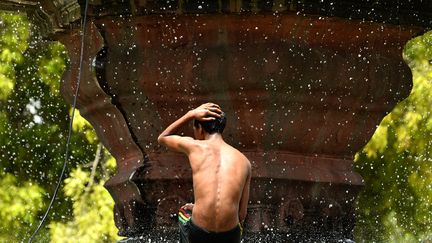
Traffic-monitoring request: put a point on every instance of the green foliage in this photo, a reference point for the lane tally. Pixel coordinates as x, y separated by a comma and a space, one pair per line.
13, 43
82, 126
33, 127
51, 67
396, 204
18, 207
91, 203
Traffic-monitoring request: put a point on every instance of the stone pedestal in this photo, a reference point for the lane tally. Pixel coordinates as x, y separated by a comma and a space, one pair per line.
302, 95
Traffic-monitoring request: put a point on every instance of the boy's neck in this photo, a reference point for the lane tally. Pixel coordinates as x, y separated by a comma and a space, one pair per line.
215, 136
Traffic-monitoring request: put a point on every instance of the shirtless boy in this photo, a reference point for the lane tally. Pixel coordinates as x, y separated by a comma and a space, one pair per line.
221, 178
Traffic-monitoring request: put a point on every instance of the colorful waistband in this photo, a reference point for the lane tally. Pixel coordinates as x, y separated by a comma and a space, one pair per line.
184, 216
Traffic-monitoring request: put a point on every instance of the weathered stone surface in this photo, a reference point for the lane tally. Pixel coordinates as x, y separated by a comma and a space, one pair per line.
95, 105
302, 95
50, 17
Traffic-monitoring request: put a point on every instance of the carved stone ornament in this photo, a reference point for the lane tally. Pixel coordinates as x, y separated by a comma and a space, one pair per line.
47, 17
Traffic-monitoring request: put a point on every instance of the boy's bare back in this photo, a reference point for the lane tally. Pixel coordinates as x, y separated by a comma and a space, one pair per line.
220, 175
221, 178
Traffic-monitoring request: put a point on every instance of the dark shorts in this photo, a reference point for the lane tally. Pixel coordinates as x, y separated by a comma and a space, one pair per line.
191, 233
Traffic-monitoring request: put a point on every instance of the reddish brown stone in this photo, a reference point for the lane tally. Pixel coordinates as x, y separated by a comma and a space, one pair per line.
302, 95
95, 105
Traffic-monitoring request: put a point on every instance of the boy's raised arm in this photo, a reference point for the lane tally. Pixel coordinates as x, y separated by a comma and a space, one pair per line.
183, 144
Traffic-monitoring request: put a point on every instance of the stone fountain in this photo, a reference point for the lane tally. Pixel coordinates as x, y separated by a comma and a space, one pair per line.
304, 85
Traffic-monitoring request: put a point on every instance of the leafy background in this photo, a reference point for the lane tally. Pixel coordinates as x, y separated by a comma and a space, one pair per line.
396, 164
395, 205
33, 127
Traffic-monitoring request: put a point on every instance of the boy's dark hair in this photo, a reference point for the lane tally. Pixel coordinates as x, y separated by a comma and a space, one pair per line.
217, 125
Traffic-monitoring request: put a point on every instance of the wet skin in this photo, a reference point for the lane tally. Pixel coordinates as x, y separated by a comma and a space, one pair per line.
221, 174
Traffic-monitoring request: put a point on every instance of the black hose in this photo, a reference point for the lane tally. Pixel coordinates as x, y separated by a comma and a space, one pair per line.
66, 157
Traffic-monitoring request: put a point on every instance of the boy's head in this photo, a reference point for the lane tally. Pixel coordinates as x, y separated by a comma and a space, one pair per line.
214, 126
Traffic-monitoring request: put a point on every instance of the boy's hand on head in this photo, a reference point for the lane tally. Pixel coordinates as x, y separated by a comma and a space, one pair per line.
207, 112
